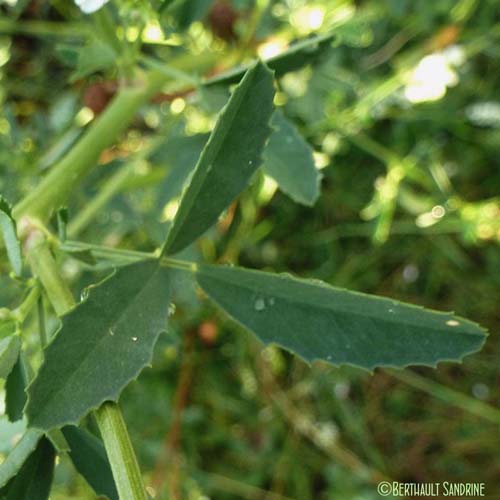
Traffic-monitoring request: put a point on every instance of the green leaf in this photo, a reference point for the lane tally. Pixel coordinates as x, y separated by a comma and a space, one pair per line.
18, 456
317, 321
179, 154
228, 160
295, 57
15, 390
185, 12
9, 351
102, 345
90, 460
9, 232
34, 479
94, 57
62, 217
288, 159
7, 328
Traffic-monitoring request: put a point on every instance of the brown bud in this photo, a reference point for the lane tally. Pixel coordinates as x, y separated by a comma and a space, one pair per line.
222, 18
97, 96
208, 332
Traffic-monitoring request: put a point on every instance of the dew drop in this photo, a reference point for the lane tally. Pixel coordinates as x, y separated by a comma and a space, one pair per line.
134, 339
111, 332
452, 322
171, 308
259, 304
410, 273
84, 295
391, 310
480, 391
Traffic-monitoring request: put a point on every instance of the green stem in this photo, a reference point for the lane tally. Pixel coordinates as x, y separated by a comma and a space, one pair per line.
121, 455
112, 186
44, 266
56, 187
42, 329
104, 252
447, 395
43, 28
126, 472
170, 71
22, 311
106, 29
367, 144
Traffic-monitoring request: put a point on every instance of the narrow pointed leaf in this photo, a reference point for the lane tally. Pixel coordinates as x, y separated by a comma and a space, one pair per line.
288, 159
299, 54
94, 57
317, 321
8, 230
9, 351
18, 456
102, 345
90, 460
228, 160
34, 479
15, 390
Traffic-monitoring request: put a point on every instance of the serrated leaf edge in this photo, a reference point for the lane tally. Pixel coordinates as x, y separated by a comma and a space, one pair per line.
171, 236
114, 396
369, 368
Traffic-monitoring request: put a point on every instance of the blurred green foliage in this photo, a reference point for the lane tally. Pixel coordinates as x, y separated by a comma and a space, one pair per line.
403, 113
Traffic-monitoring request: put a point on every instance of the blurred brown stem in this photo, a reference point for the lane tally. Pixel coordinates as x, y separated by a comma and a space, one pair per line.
307, 427
168, 464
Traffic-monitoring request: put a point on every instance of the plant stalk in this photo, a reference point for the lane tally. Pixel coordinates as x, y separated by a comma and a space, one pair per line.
113, 186
44, 266
55, 188
120, 452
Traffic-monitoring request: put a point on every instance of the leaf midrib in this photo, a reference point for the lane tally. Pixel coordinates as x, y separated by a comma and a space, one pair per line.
390, 319
178, 223
97, 344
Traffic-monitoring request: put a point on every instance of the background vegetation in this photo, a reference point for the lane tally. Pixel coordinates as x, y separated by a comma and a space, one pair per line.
403, 114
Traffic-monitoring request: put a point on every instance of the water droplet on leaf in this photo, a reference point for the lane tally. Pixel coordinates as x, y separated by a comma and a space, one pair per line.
259, 304
452, 322
134, 339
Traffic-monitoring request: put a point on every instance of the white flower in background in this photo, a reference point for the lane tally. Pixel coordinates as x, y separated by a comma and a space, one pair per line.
434, 74
89, 6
